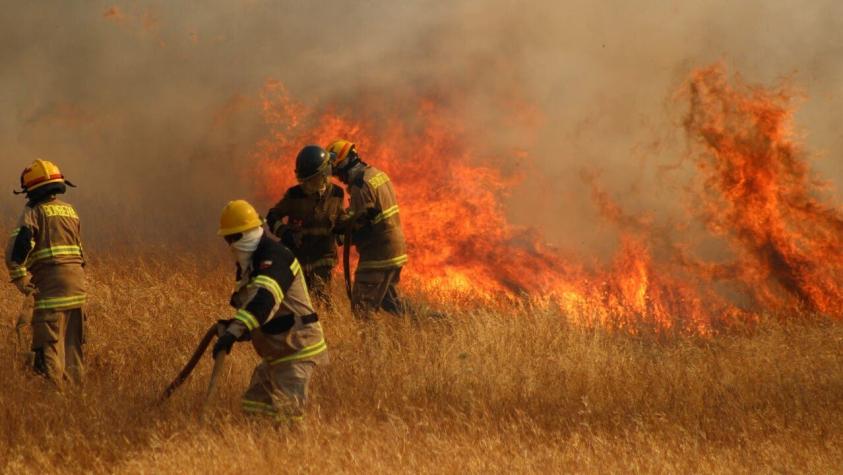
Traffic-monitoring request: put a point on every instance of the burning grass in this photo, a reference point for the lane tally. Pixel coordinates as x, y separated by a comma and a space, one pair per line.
751, 195
514, 388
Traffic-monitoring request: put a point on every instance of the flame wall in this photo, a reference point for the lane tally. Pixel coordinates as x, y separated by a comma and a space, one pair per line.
557, 122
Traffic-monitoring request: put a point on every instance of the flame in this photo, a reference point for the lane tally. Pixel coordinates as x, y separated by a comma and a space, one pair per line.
760, 196
755, 191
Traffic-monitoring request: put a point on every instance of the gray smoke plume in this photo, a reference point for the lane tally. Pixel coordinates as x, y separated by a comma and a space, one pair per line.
152, 107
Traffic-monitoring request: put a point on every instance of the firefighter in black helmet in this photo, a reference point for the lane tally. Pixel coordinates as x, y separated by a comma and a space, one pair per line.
304, 217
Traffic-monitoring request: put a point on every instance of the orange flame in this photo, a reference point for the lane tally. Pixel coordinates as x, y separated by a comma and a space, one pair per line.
760, 196
757, 196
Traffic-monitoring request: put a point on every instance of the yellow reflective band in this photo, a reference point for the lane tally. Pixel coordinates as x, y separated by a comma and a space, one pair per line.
295, 267
260, 411
269, 284
378, 180
60, 302
64, 211
17, 272
306, 352
386, 214
14, 233
384, 264
247, 318
260, 407
55, 251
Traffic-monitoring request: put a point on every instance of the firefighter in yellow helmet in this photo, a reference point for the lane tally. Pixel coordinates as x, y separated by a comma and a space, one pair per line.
274, 311
44, 257
377, 231
304, 217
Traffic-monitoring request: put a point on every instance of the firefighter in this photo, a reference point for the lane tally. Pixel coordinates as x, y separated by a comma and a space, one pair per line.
377, 231
312, 209
44, 258
274, 311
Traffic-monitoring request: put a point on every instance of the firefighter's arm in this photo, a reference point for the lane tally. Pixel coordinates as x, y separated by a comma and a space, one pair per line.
362, 212
21, 242
17, 252
340, 224
267, 296
288, 233
275, 216
359, 223
82, 248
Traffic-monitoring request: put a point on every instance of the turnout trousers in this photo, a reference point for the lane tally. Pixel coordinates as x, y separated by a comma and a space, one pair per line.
57, 338
279, 391
376, 290
319, 282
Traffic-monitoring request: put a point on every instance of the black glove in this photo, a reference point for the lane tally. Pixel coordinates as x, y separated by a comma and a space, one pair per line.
224, 343
288, 238
372, 213
222, 326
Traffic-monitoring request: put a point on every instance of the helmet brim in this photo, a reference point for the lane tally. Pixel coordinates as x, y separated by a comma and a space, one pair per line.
43, 184
239, 229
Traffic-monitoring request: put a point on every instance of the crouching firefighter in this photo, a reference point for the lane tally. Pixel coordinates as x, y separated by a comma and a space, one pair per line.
304, 217
274, 311
44, 258
377, 235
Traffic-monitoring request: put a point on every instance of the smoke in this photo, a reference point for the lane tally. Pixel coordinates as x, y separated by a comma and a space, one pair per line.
153, 108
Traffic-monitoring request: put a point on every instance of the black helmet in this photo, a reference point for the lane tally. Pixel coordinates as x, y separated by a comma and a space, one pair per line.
311, 161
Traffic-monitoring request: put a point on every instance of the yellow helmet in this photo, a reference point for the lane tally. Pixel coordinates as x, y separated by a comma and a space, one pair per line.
40, 173
343, 155
238, 216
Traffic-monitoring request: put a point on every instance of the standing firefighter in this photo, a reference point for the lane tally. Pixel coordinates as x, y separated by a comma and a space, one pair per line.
44, 258
275, 312
376, 231
312, 209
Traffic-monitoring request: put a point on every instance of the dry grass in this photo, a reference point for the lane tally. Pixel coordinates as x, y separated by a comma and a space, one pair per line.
509, 390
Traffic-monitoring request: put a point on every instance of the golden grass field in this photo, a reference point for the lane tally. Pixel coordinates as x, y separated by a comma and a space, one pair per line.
510, 389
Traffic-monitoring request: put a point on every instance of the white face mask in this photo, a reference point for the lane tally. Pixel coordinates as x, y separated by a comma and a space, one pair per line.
243, 249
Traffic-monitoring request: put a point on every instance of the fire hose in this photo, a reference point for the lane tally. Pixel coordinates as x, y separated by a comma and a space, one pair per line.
346, 257
212, 332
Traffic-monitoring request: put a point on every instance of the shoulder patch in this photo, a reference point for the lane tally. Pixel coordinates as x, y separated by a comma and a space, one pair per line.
378, 180
59, 210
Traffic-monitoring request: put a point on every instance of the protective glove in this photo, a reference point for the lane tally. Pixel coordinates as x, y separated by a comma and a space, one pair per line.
223, 324
289, 239
372, 213
24, 285
224, 343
